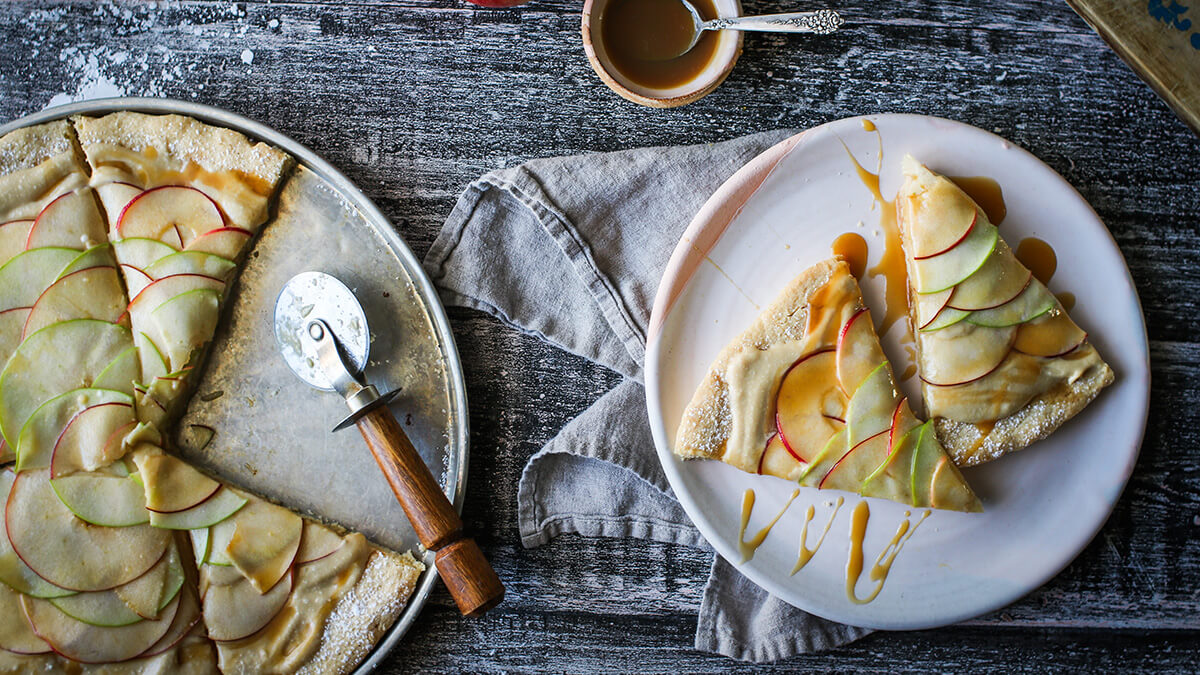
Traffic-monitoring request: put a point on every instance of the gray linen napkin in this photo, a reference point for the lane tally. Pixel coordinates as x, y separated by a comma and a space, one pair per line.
571, 250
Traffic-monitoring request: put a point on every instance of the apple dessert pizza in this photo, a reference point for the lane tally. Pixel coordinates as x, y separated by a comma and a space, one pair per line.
115, 260
1001, 363
806, 394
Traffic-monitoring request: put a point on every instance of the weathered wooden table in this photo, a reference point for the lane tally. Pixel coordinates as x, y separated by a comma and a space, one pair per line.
413, 98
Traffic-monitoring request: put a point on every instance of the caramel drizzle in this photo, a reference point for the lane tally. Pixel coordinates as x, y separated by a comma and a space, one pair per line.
748, 548
883, 564
805, 554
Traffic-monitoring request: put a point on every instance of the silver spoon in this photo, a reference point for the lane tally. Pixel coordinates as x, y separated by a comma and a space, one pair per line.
821, 22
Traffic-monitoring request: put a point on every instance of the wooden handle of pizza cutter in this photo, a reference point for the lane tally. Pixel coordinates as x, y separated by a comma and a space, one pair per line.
468, 575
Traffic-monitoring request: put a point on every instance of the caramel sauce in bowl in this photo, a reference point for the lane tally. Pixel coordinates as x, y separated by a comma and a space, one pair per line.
614, 33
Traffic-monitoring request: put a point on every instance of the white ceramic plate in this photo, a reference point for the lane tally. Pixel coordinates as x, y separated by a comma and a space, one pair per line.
777, 216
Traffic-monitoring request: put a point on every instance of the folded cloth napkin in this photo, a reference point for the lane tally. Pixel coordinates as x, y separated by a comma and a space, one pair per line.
571, 250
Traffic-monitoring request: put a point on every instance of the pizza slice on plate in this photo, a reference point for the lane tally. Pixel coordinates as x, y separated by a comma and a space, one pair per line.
806, 394
183, 200
1001, 363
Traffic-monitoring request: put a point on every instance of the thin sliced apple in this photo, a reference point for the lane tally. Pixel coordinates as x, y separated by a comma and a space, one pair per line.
140, 253
1001, 279
23, 278
1051, 335
929, 306
186, 618
55, 360
150, 593
871, 407
926, 455
211, 511
121, 373
858, 351
264, 542
14, 573
93, 293
319, 541
172, 485
185, 323
114, 197
154, 364
201, 543
1033, 302
936, 226
948, 489
97, 608
945, 318
96, 256
92, 439
41, 433
861, 461
170, 212
235, 611
774, 461
16, 635
166, 288
800, 404
226, 242
903, 421
85, 643
70, 221
965, 353
12, 323
815, 470
13, 235
892, 479
191, 262
102, 499
936, 274
66, 551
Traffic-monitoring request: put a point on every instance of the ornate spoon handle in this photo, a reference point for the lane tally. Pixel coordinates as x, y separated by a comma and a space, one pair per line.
822, 22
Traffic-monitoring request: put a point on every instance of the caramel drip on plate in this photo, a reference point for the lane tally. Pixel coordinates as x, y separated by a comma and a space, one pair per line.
1067, 300
883, 564
868, 125
1039, 257
805, 554
852, 248
747, 548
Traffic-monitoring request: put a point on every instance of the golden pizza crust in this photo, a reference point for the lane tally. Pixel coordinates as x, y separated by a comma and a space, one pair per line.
707, 423
968, 445
37, 164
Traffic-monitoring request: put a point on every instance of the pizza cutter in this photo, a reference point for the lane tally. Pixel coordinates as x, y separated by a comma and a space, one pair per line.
322, 332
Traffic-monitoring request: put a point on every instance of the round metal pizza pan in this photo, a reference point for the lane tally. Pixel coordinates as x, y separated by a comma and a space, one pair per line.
289, 453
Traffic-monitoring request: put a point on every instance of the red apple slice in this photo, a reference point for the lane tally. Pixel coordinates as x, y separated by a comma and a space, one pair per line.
217, 508
23, 278
70, 221
965, 354
172, 485
226, 242
237, 610
926, 456
114, 197
13, 235
92, 438
66, 551
858, 351
891, 479
944, 319
150, 593
84, 643
264, 542
319, 541
183, 324
815, 470
903, 421
187, 616
15, 634
191, 262
870, 409
169, 287
1051, 335
1033, 302
801, 404
41, 433
929, 306
775, 461
102, 499
936, 274
93, 293
1001, 279
952, 230
850, 471
98, 608
12, 323
171, 212
14, 573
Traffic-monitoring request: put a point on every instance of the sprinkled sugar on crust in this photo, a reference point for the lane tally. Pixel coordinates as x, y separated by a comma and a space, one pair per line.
30, 146
707, 422
186, 140
37, 164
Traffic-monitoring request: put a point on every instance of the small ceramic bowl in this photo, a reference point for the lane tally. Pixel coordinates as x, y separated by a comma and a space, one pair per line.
729, 47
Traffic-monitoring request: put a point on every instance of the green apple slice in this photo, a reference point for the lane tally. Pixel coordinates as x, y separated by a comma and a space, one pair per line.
23, 278
93, 293
121, 373
40, 434
85, 643
185, 323
807, 389
191, 262
186, 617
140, 253
925, 457
211, 511
12, 324
114, 197
150, 593
264, 542
97, 608
153, 363
238, 610
70, 221
858, 351
853, 468
927, 307
15, 634
68, 552
96, 256
172, 485
1033, 302
948, 489
105, 500
892, 480
14, 573
945, 318
820, 465
226, 242
201, 543
1001, 279
965, 353
54, 360
81, 448
318, 541
170, 212
936, 274
871, 407
13, 235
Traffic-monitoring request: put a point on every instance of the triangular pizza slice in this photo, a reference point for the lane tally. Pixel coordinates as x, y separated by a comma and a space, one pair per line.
183, 201
807, 394
1001, 363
